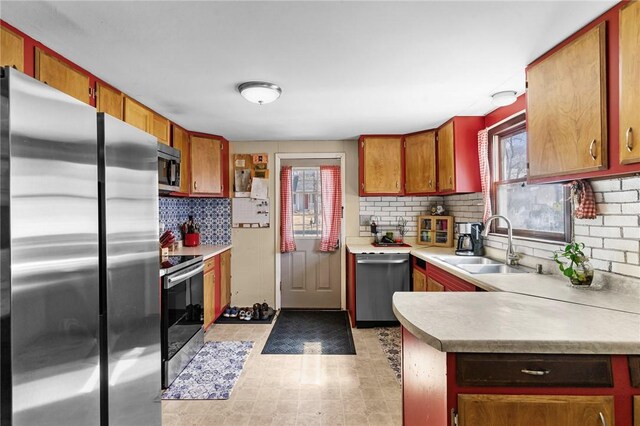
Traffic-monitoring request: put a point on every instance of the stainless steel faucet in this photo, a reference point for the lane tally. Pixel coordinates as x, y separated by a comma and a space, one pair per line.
511, 256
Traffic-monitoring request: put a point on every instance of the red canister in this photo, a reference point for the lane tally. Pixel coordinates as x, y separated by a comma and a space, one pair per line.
191, 240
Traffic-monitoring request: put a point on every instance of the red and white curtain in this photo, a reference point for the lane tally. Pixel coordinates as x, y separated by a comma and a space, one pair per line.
287, 243
485, 172
331, 187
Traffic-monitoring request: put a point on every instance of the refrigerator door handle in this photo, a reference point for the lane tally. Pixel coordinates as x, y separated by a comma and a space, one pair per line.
175, 280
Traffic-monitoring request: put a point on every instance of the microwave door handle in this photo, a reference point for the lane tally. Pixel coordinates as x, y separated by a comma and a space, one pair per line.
172, 172
172, 281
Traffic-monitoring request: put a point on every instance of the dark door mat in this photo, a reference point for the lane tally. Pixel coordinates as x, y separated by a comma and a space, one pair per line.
224, 320
298, 332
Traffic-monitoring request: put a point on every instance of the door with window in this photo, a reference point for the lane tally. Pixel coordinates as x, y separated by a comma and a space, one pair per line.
310, 277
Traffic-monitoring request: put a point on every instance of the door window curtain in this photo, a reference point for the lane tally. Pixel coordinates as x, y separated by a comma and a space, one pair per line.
287, 243
331, 188
485, 172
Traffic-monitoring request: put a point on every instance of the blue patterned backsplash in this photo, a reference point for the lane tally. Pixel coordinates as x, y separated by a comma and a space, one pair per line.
212, 214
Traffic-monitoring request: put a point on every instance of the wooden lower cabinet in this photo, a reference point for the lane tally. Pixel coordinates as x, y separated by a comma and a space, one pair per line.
433, 285
209, 292
225, 278
531, 410
419, 280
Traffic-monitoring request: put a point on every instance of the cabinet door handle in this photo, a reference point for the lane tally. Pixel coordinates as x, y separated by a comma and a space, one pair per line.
195, 184
362, 186
397, 185
450, 180
591, 146
430, 183
535, 372
603, 421
628, 139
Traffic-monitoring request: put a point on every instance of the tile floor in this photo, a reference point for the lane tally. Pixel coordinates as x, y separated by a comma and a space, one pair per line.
299, 389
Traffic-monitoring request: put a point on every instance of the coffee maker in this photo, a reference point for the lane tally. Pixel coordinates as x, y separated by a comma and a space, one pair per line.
470, 239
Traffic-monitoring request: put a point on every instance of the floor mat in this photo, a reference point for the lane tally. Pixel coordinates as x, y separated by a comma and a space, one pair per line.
391, 341
299, 332
212, 373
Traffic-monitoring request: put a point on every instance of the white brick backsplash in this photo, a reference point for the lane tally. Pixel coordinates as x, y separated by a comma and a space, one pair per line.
631, 232
631, 183
621, 197
620, 220
626, 269
611, 240
608, 208
581, 230
616, 256
605, 231
606, 185
631, 208
629, 245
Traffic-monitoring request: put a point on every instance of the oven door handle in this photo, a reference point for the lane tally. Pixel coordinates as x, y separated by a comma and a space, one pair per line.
174, 280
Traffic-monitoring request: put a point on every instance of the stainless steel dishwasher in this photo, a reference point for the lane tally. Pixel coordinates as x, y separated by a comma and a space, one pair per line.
378, 276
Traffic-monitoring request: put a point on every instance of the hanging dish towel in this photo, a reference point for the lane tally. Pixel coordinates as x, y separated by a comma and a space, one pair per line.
584, 200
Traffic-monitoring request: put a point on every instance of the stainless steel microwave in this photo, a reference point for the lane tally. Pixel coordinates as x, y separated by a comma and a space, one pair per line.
168, 168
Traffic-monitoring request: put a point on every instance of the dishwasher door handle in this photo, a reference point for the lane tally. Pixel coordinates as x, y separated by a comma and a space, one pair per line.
382, 262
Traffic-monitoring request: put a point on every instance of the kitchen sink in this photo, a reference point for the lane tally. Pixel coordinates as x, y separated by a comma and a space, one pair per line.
468, 260
491, 269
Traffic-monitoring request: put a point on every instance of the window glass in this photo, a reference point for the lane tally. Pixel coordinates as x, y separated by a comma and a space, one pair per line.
536, 211
306, 199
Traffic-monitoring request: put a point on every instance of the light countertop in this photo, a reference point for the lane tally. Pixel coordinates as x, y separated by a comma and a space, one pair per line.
515, 323
206, 251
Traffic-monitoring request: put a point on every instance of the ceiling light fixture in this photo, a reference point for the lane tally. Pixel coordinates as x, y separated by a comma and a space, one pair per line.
259, 92
503, 98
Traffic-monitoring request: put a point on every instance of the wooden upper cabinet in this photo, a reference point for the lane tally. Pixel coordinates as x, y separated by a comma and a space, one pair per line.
137, 114
160, 128
206, 165
566, 112
62, 76
381, 165
420, 162
181, 142
109, 101
556, 410
11, 49
630, 83
446, 158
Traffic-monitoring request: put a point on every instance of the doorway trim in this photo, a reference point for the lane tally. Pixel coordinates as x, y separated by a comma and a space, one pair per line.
343, 270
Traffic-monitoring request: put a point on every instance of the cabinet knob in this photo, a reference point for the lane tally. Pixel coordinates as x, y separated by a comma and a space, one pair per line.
591, 152
629, 139
603, 421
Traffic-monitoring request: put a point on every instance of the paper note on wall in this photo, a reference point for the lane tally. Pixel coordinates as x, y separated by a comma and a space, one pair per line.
259, 188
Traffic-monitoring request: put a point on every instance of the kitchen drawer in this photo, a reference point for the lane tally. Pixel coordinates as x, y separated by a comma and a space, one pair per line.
534, 370
634, 371
209, 264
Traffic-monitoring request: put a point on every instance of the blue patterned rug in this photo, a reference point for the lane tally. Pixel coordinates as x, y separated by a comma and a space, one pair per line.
212, 373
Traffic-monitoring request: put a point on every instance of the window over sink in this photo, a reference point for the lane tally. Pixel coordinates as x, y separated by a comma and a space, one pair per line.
540, 211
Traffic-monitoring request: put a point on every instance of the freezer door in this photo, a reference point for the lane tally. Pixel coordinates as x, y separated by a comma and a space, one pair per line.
132, 273
50, 355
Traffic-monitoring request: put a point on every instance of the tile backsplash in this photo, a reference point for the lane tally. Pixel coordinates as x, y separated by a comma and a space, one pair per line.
612, 239
212, 214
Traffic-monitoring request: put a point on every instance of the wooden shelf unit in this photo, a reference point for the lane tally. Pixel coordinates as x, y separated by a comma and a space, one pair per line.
435, 231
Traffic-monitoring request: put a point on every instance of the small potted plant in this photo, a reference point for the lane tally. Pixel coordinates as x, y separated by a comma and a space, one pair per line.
574, 265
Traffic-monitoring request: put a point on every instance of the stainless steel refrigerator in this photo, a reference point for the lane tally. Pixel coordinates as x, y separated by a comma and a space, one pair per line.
79, 301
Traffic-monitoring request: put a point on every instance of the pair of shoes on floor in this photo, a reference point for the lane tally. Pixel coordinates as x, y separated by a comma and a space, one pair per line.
245, 314
231, 312
262, 311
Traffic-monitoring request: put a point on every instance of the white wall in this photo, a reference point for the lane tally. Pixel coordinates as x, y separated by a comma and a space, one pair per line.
253, 254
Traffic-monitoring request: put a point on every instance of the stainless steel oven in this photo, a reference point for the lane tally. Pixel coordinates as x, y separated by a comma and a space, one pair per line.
168, 168
182, 307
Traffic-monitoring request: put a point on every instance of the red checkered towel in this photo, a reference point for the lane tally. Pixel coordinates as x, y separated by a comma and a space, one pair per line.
583, 199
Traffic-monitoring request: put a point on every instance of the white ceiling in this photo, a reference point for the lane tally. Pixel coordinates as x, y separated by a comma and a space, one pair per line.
346, 68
